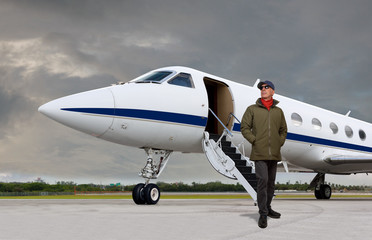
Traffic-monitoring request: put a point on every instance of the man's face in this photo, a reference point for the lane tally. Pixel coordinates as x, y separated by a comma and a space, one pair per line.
267, 92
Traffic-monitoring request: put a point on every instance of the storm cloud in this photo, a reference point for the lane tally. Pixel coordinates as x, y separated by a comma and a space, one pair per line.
315, 51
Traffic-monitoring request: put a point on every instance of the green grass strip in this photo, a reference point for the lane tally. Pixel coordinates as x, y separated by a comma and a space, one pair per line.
186, 196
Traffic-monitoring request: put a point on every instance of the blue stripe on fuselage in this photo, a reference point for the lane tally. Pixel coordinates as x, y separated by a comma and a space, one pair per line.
202, 122
144, 114
319, 141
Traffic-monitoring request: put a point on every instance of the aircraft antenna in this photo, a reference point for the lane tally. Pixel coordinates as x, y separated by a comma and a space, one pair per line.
348, 113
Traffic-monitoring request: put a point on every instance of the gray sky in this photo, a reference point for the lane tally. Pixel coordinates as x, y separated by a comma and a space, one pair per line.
315, 51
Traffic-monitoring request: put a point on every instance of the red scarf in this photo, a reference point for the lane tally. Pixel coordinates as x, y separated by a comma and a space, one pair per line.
268, 103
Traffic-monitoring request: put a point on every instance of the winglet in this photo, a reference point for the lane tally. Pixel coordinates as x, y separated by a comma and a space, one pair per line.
256, 83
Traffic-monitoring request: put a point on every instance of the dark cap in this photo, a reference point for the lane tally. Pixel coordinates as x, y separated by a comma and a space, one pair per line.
266, 82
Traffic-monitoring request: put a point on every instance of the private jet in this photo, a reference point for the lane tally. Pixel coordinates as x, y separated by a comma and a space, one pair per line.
179, 109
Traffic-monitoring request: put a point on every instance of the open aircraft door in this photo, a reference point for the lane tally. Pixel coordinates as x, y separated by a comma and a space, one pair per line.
220, 101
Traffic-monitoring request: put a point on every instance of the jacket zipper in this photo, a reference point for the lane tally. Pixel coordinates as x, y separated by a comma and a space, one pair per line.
269, 136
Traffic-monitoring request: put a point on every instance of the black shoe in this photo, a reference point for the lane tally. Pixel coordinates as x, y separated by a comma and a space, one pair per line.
262, 222
273, 214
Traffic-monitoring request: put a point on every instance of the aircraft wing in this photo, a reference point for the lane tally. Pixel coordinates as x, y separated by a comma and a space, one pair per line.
337, 160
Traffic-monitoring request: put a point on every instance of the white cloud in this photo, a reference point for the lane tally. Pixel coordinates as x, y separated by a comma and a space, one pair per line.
5, 176
148, 40
31, 55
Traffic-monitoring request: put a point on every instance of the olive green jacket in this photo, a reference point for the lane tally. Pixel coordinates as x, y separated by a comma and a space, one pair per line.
265, 130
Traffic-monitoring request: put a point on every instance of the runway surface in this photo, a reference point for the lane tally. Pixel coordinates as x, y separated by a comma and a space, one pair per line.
183, 219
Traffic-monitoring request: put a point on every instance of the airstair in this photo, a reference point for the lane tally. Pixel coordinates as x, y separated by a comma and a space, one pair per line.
228, 160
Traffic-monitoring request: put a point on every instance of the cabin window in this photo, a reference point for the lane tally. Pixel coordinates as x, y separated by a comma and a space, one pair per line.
296, 119
362, 134
333, 127
155, 77
348, 131
182, 79
317, 125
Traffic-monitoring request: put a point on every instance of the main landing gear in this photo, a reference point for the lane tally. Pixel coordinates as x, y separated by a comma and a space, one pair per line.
149, 193
322, 191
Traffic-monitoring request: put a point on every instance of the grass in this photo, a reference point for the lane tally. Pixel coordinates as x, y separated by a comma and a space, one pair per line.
71, 197
187, 196
176, 196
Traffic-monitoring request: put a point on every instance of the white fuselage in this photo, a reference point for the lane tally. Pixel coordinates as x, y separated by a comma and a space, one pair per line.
168, 116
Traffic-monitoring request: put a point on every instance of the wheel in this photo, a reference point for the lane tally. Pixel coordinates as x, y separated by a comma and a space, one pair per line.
326, 191
138, 194
318, 194
151, 193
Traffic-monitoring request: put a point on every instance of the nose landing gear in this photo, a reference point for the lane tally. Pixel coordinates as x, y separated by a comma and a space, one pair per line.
149, 193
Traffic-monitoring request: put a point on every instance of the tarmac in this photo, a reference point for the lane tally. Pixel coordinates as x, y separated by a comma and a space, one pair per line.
204, 219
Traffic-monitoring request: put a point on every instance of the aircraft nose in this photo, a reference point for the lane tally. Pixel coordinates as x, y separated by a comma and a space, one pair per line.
89, 112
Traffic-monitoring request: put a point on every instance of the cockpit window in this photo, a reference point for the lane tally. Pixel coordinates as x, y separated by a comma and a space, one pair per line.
155, 77
182, 79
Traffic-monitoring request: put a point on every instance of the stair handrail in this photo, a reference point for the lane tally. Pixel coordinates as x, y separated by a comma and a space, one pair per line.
228, 131
242, 143
229, 118
237, 119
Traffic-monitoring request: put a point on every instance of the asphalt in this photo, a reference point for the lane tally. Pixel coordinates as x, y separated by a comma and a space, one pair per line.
184, 219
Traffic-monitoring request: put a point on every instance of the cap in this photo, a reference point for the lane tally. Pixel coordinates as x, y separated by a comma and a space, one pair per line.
266, 82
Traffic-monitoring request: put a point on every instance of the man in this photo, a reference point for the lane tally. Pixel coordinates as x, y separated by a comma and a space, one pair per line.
264, 126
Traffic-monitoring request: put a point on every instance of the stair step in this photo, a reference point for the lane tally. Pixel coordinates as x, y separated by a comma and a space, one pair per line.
249, 176
253, 184
226, 144
244, 169
234, 156
228, 149
240, 163
213, 136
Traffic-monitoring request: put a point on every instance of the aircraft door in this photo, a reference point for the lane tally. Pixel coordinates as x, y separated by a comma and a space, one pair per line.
220, 101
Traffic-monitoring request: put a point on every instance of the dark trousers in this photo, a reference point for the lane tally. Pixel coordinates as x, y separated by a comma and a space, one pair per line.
265, 173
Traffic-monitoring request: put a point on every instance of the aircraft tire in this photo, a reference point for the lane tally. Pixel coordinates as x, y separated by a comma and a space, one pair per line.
318, 194
326, 191
138, 194
151, 193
